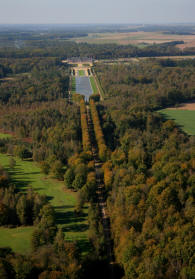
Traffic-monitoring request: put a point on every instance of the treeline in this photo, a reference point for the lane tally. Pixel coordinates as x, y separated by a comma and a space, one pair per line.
65, 49
50, 134
151, 194
84, 126
151, 201
51, 256
59, 259
81, 176
16, 208
12, 66
102, 149
42, 49
26, 209
36, 81
150, 83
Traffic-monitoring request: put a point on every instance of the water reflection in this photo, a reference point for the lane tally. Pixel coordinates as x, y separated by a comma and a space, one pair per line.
83, 87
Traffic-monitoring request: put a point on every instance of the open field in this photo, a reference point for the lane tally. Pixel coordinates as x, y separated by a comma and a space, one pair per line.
27, 174
137, 38
184, 118
93, 85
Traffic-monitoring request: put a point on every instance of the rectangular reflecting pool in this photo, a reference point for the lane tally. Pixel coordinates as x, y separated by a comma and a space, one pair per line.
83, 87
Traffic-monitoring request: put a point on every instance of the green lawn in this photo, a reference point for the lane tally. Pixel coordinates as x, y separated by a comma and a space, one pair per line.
73, 85
18, 238
184, 118
27, 174
99, 85
5, 136
93, 85
81, 73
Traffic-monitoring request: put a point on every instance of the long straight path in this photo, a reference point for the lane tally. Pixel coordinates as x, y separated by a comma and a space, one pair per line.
101, 193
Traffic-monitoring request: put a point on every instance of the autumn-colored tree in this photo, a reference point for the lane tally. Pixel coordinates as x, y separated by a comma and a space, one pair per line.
84, 126
69, 178
45, 167
108, 174
103, 151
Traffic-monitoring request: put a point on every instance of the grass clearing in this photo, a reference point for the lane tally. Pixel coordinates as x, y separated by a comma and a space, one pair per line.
5, 136
18, 239
73, 85
100, 87
27, 174
93, 85
184, 118
81, 73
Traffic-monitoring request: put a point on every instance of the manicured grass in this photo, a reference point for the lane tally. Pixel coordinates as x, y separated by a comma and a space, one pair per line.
5, 136
184, 118
17, 238
99, 85
93, 85
81, 73
27, 174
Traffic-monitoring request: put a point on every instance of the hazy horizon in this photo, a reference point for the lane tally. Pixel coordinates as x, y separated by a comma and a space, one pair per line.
93, 12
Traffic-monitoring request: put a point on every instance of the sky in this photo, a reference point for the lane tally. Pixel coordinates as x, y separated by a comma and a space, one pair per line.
97, 11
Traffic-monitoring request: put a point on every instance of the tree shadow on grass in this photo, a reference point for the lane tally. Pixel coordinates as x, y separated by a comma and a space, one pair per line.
72, 222
75, 228
22, 183
18, 182
168, 117
68, 216
49, 198
84, 245
35, 172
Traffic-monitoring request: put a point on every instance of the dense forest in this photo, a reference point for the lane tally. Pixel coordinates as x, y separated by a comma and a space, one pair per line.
146, 162
150, 83
151, 169
68, 49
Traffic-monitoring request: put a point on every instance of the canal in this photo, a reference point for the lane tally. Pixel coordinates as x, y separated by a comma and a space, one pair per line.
83, 87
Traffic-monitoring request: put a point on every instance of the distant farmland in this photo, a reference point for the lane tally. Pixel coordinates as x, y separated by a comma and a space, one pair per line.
140, 38
184, 118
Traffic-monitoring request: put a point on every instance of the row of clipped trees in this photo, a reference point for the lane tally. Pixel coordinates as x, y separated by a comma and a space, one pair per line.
84, 126
103, 151
87, 186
